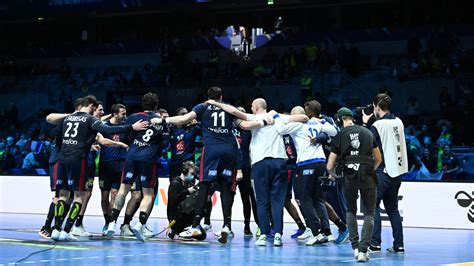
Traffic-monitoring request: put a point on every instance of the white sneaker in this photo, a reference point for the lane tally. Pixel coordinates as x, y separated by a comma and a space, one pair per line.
307, 233
363, 257
80, 231
207, 227
277, 240
147, 232
224, 234
138, 231
125, 230
63, 236
319, 239
111, 229
55, 235
190, 233
261, 241
356, 253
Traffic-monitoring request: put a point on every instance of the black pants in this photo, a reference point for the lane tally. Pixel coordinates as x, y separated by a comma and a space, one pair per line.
247, 195
226, 199
183, 220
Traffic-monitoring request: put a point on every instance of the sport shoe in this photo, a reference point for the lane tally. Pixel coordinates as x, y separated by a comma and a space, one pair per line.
277, 240
343, 236
207, 227
374, 249
247, 232
356, 253
298, 233
224, 234
171, 234
319, 239
125, 230
80, 231
147, 232
111, 229
190, 233
396, 250
261, 241
63, 236
55, 235
104, 230
218, 234
138, 230
307, 233
45, 232
363, 257
258, 233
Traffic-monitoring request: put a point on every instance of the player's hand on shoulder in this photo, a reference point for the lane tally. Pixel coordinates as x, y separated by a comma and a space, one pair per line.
95, 147
140, 125
156, 120
211, 102
269, 119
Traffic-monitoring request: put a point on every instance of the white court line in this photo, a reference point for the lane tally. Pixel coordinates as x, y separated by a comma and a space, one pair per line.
111, 256
94, 257
29, 262
45, 260
61, 259
78, 258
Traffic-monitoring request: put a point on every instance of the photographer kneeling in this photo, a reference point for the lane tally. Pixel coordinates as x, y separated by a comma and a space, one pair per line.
182, 199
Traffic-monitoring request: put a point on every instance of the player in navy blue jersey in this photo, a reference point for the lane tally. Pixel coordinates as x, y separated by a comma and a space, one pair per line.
79, 131
217, 160
182, 143
140, 165
243, 176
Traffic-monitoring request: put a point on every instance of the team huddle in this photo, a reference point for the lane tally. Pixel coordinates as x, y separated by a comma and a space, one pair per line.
269, 156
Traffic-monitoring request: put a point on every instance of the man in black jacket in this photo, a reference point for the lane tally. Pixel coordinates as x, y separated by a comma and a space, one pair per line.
180, 188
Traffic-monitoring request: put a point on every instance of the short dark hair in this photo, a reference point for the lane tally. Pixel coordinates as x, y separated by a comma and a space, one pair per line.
187, 166
88, 100
78, 102
162, 110
100, 103
314, 107
115, 109
150, 101
383, 101
214, 93
180, 109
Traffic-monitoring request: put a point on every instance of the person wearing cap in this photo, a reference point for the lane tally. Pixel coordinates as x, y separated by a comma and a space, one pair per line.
357, 156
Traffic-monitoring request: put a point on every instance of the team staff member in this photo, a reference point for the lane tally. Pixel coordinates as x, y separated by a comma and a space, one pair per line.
356, 152
389, 134
181, 187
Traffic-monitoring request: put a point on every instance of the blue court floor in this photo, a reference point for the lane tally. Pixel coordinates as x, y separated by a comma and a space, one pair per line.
19, 238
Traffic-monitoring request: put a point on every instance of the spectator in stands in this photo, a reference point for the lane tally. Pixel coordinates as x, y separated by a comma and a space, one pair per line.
449, 163
311, 53
3, 156
15, 160
24, 139
29, 162
424, 132
445, 137
428, 154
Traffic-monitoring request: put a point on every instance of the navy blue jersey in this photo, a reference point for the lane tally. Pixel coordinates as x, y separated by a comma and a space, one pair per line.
243, 138
182, 143
79, 131
145, 145
290, 151
113, 153
91, 156
216, 124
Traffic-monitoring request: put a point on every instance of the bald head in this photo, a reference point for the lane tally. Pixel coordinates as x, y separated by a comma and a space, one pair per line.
297, 110
259, 105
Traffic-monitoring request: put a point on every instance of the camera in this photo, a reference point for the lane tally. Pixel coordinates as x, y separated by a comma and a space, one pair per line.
368, 110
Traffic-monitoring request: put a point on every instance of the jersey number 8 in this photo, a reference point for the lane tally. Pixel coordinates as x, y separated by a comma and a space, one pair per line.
147, 135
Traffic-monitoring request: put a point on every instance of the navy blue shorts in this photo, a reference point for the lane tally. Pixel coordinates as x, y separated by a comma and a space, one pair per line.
140, 172
53, 175
218, 161
72, 174
110, 174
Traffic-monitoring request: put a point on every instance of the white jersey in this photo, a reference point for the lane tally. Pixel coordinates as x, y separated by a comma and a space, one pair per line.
301, 133
266, 142
392, 138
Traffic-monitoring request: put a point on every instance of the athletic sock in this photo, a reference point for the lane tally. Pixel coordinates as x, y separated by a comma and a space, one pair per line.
79, 220
50, 216
300, 224
59, 214
341, 225
72, 216
127, 219
143, 217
